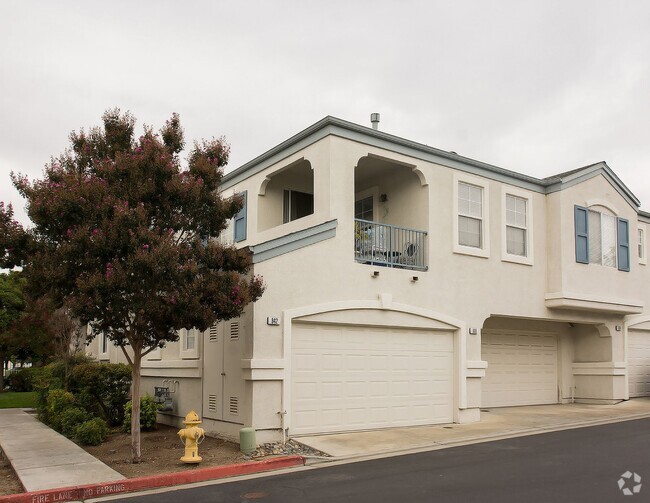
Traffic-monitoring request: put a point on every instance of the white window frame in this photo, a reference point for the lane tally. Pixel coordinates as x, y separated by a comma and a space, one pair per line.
509, 257
598, 208
482, 183
641, 246
103, 347
192, 353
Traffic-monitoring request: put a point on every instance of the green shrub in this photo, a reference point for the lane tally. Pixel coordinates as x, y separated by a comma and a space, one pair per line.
21, 380
148, 414
71, 418
92, 432
102, 389
58, 401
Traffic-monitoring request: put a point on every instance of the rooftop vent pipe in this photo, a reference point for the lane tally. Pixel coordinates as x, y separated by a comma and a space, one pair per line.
374, 118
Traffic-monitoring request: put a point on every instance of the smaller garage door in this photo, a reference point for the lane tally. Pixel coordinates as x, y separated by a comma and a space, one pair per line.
522, 368
638, 362
357, 378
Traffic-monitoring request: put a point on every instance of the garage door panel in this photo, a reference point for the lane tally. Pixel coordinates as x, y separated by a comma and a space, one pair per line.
638, 363
522, 368
373, 377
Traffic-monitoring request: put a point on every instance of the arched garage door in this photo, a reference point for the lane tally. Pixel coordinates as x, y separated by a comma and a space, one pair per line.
347, 377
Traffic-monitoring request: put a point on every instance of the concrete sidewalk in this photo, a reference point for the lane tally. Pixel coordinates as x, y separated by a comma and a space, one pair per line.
44, 459
495, 424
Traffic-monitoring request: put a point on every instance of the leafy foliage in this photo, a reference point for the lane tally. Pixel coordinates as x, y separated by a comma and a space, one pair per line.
122, 236
102, 389
58, 401
12, 305
71, 418
148, 414
21, 380
14, 240
92, 432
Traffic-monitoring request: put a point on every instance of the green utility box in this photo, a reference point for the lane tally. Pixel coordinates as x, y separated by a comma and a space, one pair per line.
247, 443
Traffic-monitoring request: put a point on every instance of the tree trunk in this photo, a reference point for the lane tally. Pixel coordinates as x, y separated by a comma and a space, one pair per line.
135, 408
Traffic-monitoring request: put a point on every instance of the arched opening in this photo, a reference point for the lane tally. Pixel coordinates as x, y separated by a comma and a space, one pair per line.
391, 214
287, 195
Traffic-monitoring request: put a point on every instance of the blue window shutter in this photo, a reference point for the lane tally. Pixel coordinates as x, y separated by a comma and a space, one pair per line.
240, 220
582, 234
623, 242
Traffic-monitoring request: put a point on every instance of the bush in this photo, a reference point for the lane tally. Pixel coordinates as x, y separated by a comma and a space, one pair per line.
102, 389
148, 414
92, 432
71, 418
58, 401
21, 380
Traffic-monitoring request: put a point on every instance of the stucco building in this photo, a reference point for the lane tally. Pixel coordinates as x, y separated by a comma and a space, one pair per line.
407, 285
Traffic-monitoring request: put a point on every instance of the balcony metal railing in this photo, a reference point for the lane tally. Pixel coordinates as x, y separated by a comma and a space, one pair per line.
389, 245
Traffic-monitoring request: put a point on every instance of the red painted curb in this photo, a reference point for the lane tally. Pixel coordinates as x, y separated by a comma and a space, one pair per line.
77, 493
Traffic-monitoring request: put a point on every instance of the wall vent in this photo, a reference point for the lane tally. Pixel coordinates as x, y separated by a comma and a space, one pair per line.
234, 330
212, 403
213, 333
234, 405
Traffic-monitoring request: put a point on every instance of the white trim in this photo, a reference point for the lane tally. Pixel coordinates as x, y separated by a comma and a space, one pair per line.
476, 368
508, 257
460, 344
484, 251
599, 369
103, 355
602, 203
571, 300
643, 259
192, 353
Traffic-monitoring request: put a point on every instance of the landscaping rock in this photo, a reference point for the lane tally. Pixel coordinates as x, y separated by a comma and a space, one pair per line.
289, 447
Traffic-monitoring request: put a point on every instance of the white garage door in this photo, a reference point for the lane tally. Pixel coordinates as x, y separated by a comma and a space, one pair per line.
638, 363
356, 378
522, 368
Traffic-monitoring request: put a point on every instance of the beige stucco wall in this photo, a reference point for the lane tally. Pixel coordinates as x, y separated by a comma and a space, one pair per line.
464, 290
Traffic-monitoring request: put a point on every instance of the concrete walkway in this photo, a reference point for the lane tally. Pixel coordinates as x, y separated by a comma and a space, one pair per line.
495, 424
44, 459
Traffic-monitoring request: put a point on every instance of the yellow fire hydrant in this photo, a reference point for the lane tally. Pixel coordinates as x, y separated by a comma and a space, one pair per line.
190, 437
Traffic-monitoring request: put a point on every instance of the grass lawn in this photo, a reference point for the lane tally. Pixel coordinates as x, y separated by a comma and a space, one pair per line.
12, 399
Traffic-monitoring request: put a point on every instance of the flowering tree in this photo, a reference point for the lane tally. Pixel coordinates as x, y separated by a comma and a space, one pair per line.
122, 238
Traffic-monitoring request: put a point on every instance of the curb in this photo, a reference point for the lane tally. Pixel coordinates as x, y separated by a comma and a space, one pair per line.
80, 493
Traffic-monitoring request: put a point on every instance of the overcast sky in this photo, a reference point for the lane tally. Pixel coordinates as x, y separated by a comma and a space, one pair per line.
538, 87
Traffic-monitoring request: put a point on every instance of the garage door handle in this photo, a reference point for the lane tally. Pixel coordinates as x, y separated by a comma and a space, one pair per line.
223, 373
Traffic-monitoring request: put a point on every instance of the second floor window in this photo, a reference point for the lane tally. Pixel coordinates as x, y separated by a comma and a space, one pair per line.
363, 208
296, 205
641, 246
470, 215
516, 225
601, 239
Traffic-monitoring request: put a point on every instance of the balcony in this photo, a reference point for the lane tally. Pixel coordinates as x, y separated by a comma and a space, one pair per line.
389, 245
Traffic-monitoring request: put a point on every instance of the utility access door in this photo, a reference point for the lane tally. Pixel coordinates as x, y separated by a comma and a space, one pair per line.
222, 377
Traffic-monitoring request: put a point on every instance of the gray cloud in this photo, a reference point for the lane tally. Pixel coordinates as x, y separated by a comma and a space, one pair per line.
538, 87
